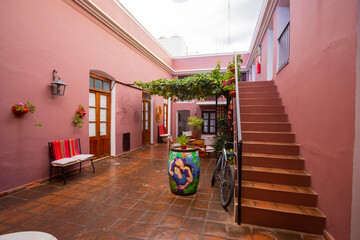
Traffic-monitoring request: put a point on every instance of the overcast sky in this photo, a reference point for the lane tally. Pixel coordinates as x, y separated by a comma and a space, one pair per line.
203, 24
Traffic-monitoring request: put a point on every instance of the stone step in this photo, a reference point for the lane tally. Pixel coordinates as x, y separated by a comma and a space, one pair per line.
284, 216
284, 137
302, 196
276, 148
266, 126
255, 95
276, 176
273, 161
261, 109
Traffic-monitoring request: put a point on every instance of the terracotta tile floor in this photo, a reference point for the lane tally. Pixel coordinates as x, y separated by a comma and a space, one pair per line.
128, 198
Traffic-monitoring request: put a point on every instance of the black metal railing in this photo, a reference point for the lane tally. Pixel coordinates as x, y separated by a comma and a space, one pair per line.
284, 47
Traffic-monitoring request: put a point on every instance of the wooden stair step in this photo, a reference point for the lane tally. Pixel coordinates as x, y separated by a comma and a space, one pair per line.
268, 136
257, 83
276, 176
271, 148
261, 101
273, 161
257, 95
263, 117
284, 216
295, 195
266, 126
259, 88
261, 109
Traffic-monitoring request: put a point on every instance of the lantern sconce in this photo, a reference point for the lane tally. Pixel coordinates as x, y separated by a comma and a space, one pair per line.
57, 86
196, 111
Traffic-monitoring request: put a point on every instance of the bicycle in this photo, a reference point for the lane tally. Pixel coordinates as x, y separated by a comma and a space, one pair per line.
226, 174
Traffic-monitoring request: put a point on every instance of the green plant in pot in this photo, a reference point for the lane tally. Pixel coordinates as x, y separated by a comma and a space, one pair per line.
196, 123
182, 140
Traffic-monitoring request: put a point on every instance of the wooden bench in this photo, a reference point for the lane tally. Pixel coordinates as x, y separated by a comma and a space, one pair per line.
66, 153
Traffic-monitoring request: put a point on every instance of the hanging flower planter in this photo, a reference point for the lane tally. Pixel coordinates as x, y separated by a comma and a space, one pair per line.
23, 108
20, 112
81, 112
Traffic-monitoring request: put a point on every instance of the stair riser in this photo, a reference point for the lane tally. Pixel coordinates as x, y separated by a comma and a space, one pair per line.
269, 137
276, 178
273, 163
271, 149
284, 220
272, 102
258, 95
244, 89
263, 117
262, 109
270, 127
292, 198
257, 83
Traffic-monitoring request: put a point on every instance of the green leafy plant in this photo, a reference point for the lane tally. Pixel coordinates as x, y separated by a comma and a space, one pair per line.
182, 140
80, 112
219, 143
195, 122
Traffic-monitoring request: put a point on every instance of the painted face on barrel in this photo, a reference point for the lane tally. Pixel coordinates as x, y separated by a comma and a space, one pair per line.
180, 163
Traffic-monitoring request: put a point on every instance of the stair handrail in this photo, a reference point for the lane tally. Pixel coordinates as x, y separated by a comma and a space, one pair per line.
239, 139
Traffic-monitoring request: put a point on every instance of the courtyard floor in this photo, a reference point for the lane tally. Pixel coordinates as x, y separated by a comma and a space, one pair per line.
128, 198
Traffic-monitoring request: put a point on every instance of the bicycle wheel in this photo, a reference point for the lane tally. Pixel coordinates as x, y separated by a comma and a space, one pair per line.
216, 171
227, 186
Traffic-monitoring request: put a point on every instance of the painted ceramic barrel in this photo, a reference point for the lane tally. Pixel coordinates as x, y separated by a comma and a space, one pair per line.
184, 170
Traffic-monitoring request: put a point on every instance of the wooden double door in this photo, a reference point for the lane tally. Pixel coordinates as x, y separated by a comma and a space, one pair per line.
99, 121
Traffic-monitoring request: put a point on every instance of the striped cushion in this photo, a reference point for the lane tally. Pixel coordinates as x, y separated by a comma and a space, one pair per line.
61, 149
74, 147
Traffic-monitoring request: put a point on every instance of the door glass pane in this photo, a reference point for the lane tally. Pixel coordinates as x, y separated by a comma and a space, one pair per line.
205, 129
106, 86
92, 100
206, 122
98, 84
92, 132
212, 129
103, 129
92, 114
146, 116
206, 115
146, 125
146, 106
103, 101
91, 82
212, 122
212, 115
103, 114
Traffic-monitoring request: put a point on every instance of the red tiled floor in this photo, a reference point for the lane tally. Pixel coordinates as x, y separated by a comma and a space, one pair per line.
125, 200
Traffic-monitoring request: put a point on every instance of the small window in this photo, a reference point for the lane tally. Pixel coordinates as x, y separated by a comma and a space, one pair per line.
209, 125
99, 83
146, 95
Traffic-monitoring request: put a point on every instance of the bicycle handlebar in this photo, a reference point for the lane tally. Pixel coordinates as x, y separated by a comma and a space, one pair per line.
225, 142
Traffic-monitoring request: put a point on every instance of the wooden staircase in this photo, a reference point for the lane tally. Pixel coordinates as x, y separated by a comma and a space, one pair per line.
276, 190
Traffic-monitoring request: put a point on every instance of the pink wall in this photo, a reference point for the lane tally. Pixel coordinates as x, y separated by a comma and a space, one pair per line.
318, 91
41, 36
262, 76
204, 62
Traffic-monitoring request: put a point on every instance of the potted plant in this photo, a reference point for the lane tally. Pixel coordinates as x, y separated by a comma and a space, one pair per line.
196, 123
81, 111
182, 140
23, 108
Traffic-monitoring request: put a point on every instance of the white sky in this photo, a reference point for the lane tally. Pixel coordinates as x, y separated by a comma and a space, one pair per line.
203, 24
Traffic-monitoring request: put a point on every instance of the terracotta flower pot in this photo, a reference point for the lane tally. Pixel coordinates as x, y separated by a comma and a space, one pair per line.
232, 79
19, 112
233, 93
183, 146
232, 69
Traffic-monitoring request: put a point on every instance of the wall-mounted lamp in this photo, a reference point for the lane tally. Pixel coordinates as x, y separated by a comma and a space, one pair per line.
196, 111
57, 86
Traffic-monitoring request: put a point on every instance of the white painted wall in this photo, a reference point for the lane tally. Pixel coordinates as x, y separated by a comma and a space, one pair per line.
112, 126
